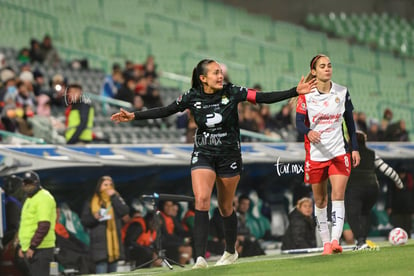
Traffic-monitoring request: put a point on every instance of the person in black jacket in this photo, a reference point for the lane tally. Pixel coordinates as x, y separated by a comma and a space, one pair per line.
301, 230
362, 191
103, 215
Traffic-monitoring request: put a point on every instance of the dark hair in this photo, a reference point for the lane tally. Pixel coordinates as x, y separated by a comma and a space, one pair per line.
100, 181
200, 69
74, 85
244, 197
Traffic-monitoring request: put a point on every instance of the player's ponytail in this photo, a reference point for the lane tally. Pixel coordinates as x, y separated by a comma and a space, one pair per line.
200, 69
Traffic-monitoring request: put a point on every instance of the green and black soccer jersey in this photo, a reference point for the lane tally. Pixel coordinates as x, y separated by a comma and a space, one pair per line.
216, 115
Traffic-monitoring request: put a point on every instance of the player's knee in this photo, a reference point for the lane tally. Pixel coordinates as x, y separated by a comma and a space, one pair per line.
202, 203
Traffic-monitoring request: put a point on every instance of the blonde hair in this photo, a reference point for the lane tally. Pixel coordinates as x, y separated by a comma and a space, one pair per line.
303, 200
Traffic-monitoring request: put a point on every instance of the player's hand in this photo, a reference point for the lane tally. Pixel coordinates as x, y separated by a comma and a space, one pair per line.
356, 159
123, 116
314, 136
306, 87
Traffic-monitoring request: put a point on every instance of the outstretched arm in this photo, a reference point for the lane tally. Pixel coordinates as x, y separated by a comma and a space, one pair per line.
277, 96
388, 171
153, 113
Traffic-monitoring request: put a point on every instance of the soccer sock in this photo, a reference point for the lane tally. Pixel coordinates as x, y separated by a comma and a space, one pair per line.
230, 232
338, 214
200, 234
322, 223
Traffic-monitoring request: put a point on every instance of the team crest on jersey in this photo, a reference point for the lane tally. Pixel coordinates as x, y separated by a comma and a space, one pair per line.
303, 106
337, 100
224, 100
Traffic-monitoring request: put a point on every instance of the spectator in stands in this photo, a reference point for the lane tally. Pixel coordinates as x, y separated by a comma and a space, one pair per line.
37, 226
9, 90
48, 53
362, 191
28, 79
80, 116
151, 95
126, 92
283, 118
361, 122
139, 236
216, 158
3, 62
35, 52
39, 85
319, 117
268, 119
397, 132
400, 202
249, 121
301, 230
386, 119
102, 215
150, 67
24, 96
247, 244
113, 82
374, 132
24, 55
174, 238
57, 91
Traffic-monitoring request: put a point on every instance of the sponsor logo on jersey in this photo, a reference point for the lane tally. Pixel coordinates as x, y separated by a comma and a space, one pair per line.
213, 119
224, 100
194, 159
197, 105
233, 165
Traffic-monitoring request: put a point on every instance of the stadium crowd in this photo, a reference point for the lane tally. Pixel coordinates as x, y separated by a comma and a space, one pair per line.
33, 103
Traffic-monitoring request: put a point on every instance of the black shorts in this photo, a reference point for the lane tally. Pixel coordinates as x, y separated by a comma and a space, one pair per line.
224, 166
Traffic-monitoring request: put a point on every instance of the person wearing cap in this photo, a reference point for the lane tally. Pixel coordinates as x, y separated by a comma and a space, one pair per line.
36, 232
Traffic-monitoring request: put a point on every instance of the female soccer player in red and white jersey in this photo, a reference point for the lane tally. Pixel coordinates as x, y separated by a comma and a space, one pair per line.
319, 117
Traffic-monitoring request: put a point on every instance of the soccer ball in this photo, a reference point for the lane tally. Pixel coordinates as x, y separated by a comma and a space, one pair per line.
397, 236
